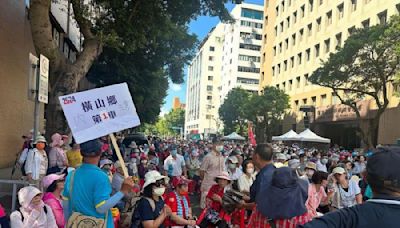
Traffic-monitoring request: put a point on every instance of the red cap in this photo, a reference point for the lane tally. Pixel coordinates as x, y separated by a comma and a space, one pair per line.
179, 181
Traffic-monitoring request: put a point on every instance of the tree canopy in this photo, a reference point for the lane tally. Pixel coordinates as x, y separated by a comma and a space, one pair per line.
363, 69
232, 111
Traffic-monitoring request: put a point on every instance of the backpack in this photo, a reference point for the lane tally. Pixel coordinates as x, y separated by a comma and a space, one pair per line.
22, 215
136, 221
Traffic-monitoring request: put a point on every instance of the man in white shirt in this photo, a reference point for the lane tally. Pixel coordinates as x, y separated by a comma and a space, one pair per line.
234, 171
174, 164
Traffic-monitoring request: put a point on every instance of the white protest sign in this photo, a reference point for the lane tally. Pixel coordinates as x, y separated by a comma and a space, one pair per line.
98, 112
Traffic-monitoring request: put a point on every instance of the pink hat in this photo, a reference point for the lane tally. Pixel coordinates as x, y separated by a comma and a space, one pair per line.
49, 179
56, 140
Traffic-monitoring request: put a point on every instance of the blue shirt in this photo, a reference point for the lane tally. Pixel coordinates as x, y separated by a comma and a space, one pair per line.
263, 180
91, 189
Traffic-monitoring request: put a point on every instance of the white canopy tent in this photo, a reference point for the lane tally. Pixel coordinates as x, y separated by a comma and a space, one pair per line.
288, 136
233, 136
309, 136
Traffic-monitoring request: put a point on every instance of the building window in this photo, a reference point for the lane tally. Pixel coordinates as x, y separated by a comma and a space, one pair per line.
321, 2
305, 101
273, 71
294, 17
249, 36
294, 39
284, 86
287, 22
251, 24
280, 47
249, 81
277, 86
210, 78
248, 69
209, 88
277, 11
314, 101
286, 44
329, 18
292, 61
311, 5
289, 2
276, 31
266, 20
285, 65
290, 85
351, 30
209, 98
250, 47
353, 5
306, 82
340, 9
299, 57
319, 24
210, 58
253, 14
301, 33
281, 30
338, 40
309, 29
212, 48
302, 9
296, 104
250, 58
298, 82
327, 45
274, 50
323, 100
365, 24
210, 68
382, 17
308, 57
265, 38
317, 50
279, 68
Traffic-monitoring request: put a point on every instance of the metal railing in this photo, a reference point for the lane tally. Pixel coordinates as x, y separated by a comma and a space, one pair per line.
14, 184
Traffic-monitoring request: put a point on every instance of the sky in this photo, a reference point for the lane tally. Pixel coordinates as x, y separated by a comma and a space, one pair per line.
201, 26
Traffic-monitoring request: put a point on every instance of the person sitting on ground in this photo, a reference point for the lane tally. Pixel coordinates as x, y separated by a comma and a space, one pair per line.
178, 201
54, 186
151, 210
383, 210
214, 201
347, 193
316, 193
33, 213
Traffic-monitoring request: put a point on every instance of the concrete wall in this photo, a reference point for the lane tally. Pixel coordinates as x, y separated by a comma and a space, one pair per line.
16, 111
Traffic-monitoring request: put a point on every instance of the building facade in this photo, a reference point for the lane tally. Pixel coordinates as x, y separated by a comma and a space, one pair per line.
228, 57
201, 116
297, 36
241, 50
176, 103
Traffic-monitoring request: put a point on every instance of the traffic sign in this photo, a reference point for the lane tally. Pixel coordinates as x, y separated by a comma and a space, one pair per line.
43, 89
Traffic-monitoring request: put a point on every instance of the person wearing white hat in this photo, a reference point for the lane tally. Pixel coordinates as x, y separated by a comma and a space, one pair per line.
33, 213
347, 193
234, 171
151, 210
37, 162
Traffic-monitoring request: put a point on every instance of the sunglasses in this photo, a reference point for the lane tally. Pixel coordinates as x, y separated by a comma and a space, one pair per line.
159, 183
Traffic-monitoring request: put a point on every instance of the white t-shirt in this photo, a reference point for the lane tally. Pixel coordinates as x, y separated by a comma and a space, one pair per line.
176, 164
245, 182
347, 198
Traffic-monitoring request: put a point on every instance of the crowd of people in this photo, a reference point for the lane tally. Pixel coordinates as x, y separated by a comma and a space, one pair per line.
240, 185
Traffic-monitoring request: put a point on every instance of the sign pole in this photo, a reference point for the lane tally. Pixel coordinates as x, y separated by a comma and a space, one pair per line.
37, 106
118, 152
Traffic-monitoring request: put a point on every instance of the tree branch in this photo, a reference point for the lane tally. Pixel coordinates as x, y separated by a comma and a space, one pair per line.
83, 23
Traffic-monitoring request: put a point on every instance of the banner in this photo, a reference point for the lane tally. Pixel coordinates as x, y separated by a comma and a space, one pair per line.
250, 134
99, 112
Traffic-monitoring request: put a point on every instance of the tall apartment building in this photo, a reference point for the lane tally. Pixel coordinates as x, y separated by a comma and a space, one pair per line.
201, 116
228, 57
241, 50
298, 34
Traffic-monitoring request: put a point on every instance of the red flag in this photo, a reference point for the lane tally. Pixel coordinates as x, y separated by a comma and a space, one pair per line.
250, 134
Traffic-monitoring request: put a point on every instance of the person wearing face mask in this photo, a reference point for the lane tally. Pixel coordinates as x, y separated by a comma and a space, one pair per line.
54, 186
174, 164
151, 210
57, 157
321, 163
360, 165
143, 167
310, 169
213, 164
246, 180
153, 160
33, 213
233, 169
37, 162
178, 201
105, 166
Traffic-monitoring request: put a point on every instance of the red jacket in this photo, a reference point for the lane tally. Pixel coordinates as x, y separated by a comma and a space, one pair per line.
172, 201
215, 189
